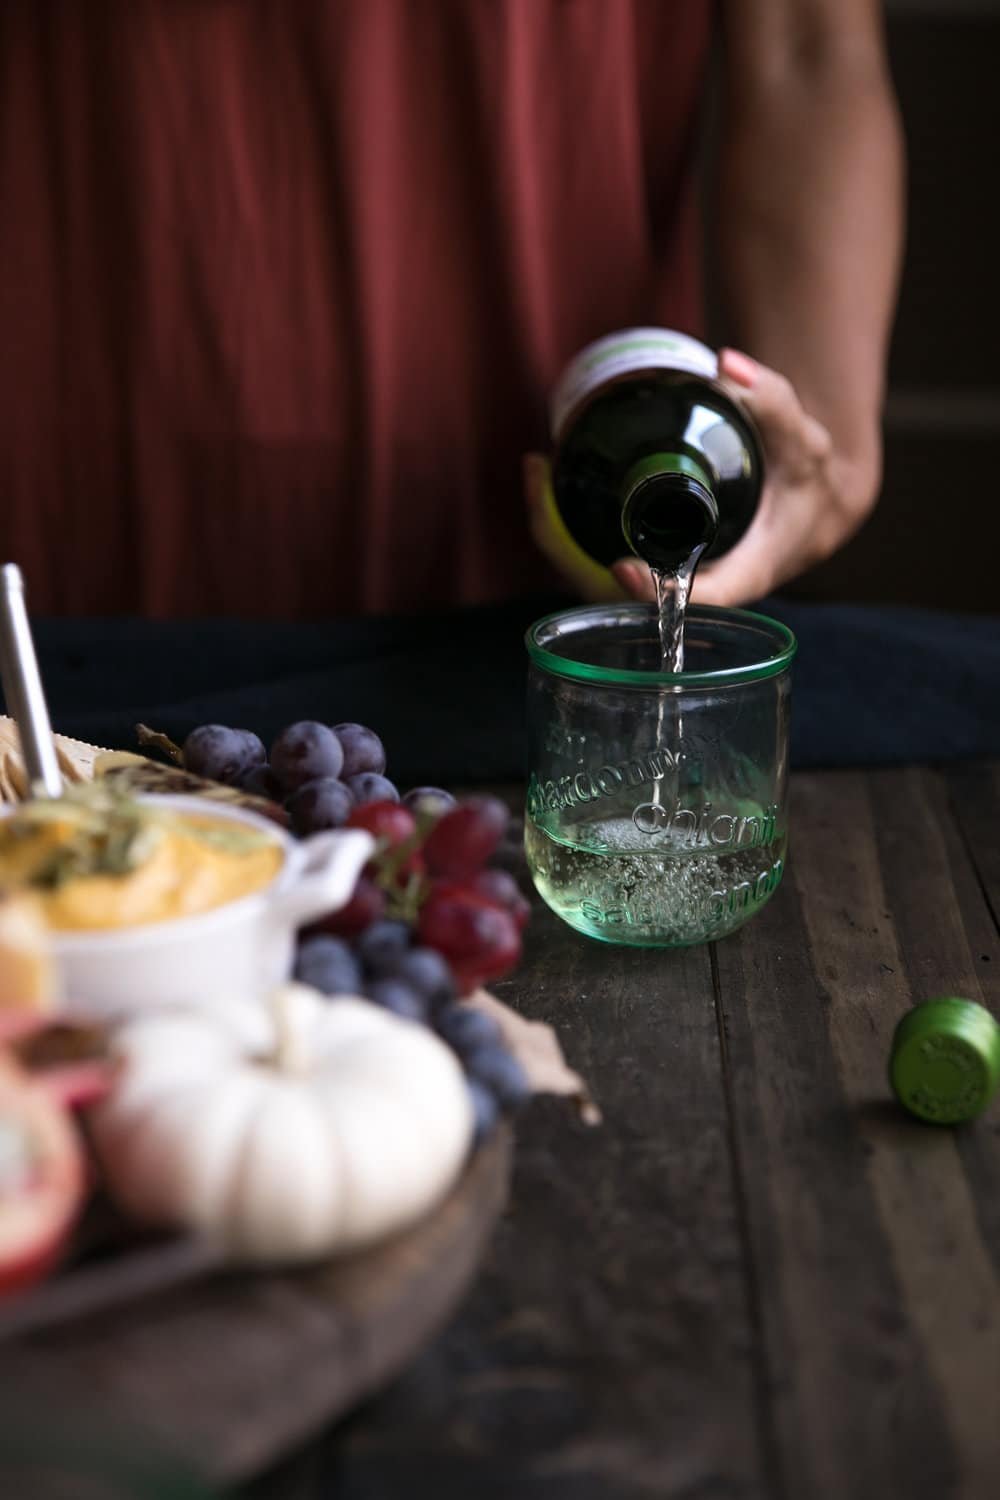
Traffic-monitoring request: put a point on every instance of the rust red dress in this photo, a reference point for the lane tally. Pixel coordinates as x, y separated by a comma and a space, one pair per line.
284, 283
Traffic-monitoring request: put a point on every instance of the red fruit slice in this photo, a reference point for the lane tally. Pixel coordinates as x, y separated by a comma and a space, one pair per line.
42, 1179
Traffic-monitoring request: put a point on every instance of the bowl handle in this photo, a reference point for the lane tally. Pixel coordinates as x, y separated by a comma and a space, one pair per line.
327, 873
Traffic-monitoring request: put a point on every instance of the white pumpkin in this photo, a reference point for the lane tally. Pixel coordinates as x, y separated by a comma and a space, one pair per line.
353, 1126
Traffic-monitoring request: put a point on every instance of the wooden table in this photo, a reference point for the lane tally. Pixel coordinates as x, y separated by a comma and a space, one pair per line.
759, 1277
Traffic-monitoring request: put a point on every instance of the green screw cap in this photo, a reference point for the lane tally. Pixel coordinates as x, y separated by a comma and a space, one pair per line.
945, 1062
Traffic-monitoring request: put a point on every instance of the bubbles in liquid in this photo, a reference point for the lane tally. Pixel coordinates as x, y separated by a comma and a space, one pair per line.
615, 886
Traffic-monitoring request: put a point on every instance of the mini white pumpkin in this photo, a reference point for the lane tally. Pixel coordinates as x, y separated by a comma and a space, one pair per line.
353, 1126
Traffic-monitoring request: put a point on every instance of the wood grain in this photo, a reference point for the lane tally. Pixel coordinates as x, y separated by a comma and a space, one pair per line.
230, 1370
879, 1292
608, 1349
761, 1278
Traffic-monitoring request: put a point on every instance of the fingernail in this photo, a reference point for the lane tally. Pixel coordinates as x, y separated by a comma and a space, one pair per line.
739, 367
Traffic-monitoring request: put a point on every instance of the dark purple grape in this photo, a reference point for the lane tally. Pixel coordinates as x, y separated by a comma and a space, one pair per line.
371, 787
382, 945
222, 754
305, 751
500, 1072
320, 804
363, 750
427, 971
485, 1110
429, 801
394, 995
328, 964
467, 1030
261, 782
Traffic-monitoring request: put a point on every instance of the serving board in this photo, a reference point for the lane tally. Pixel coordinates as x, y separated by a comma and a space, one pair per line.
160, 1345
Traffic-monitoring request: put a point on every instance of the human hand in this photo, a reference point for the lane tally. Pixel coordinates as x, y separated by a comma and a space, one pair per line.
813, 498
584, 576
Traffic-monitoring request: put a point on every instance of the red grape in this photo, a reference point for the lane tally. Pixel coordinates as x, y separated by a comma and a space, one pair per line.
390, 822
479, 940
462, 840
365, 907
503, 890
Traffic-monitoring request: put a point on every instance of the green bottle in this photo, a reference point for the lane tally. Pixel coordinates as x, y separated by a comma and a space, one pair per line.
650, 455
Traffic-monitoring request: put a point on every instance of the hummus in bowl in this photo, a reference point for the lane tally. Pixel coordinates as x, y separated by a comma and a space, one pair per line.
163, 900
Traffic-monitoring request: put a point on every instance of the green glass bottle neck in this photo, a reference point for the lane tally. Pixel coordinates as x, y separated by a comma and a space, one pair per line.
669, 509
661, 465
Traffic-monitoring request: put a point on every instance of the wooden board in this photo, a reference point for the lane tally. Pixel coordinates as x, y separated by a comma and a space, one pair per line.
760, 1279
228, 1370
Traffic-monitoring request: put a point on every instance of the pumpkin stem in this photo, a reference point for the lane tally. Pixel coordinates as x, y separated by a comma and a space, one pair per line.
290, 1054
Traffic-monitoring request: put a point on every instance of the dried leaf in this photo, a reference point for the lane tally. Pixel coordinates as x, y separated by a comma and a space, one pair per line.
537, 1049
152, 739
137, 776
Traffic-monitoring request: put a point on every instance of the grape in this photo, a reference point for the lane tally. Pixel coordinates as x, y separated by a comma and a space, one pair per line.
390, 822
305, 751
369, 786
500, 1072
222, 754
400, 998
365, 907
363, 750
428, 972
503, 890
328, 965
259, 781
479, 940
320, 804
464, 838
485, 1110
381, 945
429, 801
467, 1030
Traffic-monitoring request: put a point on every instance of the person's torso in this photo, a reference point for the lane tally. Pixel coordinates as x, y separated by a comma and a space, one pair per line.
284, 283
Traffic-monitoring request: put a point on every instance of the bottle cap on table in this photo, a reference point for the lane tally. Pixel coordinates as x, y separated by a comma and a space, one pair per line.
945, 1062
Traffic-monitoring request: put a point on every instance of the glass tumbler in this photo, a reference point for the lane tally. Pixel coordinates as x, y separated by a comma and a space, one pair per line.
656, 809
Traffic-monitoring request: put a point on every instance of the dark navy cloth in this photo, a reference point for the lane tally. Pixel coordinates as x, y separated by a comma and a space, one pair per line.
872, 686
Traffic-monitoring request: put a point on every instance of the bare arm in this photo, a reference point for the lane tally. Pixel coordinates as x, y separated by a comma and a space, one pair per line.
809, 233
810, 228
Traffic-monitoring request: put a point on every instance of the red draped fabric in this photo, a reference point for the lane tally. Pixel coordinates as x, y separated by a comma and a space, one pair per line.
284, 283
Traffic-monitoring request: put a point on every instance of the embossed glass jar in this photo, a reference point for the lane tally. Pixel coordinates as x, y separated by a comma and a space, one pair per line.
656, 810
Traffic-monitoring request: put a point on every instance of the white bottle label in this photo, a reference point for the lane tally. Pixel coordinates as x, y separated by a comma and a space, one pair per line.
621, 354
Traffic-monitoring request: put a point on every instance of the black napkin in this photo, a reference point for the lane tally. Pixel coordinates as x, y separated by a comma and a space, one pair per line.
872, 686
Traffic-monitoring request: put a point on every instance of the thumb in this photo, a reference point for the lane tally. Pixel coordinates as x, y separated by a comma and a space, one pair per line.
742, 576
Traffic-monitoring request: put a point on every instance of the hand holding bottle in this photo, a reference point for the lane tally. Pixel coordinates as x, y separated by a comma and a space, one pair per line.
812, 501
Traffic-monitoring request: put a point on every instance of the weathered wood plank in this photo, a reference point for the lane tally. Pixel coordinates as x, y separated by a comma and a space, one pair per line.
878, 1290
228, 1371
608, 1352
975, 796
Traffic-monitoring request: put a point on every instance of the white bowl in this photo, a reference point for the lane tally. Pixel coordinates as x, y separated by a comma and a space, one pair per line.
232, 953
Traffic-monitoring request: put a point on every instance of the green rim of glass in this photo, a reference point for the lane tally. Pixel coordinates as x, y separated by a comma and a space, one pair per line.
582, 671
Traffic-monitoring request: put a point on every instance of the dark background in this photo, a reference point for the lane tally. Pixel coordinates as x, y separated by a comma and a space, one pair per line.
934, 538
